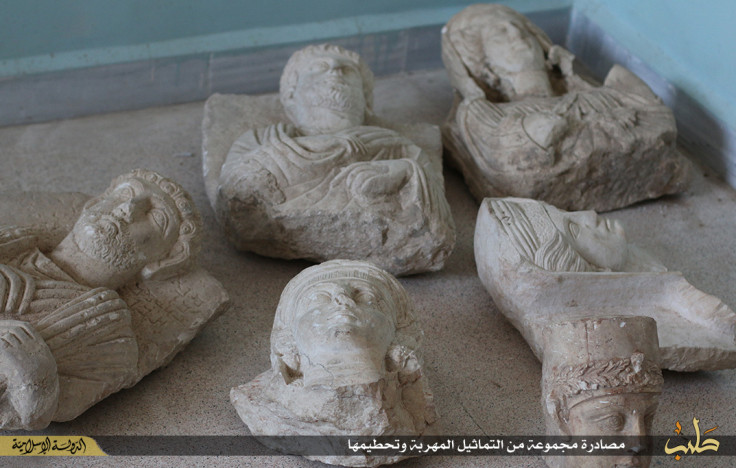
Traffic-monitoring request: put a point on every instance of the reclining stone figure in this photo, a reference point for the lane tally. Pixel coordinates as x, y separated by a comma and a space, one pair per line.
116, 298
327, 179
525, 124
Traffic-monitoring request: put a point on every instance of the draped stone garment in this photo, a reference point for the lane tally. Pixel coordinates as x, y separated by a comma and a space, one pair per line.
88, 330
598, 148
356, 193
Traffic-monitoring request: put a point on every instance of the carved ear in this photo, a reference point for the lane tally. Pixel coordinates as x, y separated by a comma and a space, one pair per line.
167, 267
91, 202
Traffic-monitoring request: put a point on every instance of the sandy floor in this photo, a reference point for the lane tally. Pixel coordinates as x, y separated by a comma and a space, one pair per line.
484, 376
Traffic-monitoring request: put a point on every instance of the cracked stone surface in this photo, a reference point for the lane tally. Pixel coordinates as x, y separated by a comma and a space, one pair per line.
484, 376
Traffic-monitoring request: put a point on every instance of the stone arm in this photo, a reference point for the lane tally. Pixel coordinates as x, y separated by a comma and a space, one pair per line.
272, 162
509, 140
379, 179
29, 383
61, 344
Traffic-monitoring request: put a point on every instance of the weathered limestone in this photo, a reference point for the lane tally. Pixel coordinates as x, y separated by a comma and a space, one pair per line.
319, 176
542, 265
525, 124
345, 360
601, 377
90, 307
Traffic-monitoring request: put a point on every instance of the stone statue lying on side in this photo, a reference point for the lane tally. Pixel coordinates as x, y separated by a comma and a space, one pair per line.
541, 264
328, 179
601, 377
115, 299
345, 360
524, 124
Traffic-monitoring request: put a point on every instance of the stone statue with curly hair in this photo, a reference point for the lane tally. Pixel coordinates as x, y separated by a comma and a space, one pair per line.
104, 306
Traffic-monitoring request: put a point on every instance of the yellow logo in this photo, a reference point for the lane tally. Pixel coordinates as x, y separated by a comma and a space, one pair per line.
700, 446
49, 446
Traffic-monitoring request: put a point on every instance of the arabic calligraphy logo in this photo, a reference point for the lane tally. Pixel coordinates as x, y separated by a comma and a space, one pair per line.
699, 447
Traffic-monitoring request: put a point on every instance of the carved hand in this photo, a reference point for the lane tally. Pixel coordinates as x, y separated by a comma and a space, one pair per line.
333, 143
29, 386
378, 179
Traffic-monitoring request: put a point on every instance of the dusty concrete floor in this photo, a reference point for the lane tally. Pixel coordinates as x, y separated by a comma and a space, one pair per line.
484, 376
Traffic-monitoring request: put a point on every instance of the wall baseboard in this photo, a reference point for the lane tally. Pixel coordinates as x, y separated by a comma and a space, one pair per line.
165, 81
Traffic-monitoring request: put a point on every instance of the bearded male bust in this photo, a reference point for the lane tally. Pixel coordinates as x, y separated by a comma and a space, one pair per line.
116, 298
318, 176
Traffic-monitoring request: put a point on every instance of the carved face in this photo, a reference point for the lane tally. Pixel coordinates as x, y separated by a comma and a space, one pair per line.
328, 95
128, 227
514, 54
626, 414
342, 319
598, 240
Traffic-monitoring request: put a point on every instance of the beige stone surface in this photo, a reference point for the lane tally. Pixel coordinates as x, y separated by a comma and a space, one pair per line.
526, 124
484, 376
96, 295
601, 376
313, 173
346, 359
542, 265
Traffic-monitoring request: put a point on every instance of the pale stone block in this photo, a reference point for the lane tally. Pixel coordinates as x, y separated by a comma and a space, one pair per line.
525, 124
318, 176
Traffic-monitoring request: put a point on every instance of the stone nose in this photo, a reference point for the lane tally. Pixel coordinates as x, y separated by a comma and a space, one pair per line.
130, 210
336, 67
343, 299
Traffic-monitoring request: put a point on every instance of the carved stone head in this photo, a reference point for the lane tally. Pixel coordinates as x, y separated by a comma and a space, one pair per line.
143, 225
559, 240
601, 376
325, 88
336, 323
501, 49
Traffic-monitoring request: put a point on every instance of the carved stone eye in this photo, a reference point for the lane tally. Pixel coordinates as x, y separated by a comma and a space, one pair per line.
321, 296
611, 423
320, 66
159, 219
126, 192
362, 296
